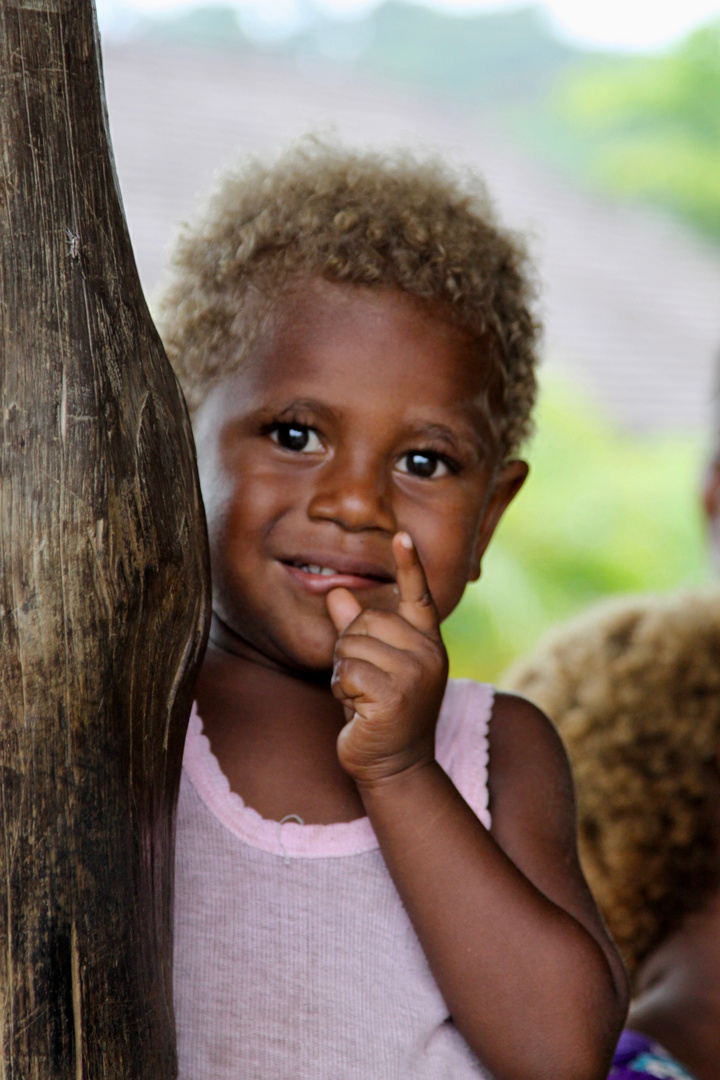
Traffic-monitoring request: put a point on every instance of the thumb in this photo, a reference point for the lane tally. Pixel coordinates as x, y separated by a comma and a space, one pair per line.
342, 607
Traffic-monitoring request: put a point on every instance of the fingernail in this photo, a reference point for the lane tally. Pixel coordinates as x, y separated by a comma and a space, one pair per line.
406, 540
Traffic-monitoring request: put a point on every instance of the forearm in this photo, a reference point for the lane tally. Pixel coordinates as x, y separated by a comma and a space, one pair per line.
528, 986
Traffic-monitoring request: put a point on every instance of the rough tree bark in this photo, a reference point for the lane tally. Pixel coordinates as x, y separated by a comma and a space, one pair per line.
103, 583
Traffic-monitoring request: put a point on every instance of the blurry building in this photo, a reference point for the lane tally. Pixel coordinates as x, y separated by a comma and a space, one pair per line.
631, 300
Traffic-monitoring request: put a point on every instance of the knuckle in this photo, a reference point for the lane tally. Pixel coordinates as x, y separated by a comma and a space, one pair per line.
438, 660
337, 690
363, 621
336, 683
340, 672
415, 668
437, 651
341, 648
391, 622
372, 620
344, 667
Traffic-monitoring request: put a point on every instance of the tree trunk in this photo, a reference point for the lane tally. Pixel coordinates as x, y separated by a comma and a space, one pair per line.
103, 583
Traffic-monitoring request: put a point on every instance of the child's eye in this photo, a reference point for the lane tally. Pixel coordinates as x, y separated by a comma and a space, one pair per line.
423, 463
298, 437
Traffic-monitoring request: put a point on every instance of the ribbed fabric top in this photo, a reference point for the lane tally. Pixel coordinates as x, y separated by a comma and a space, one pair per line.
294, 956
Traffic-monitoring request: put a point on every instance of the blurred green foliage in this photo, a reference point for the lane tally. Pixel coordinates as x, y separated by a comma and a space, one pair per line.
650, 126
602, 512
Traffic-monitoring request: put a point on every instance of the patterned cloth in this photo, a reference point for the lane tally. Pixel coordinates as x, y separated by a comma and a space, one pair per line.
637, 1056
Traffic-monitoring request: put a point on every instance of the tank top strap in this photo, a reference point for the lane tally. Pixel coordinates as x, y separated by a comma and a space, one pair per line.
461, 741
461, 747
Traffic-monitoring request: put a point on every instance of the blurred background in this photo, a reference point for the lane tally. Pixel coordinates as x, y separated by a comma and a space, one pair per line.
597, 128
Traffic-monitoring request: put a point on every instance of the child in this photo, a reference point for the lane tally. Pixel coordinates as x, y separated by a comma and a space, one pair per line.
358, 895
634, 687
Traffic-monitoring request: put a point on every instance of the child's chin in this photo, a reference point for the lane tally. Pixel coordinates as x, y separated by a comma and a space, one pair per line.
317, 665
314, 657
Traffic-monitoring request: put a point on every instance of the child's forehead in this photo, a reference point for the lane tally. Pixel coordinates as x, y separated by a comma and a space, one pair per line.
309, 299
360, 331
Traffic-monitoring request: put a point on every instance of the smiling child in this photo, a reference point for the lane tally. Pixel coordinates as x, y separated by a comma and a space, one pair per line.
376, 869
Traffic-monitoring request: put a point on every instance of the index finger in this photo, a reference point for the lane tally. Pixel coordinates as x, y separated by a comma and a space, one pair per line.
416, 604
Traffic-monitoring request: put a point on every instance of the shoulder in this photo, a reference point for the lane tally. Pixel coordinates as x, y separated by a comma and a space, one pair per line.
504, 754
523, 740
532, 802
530, 782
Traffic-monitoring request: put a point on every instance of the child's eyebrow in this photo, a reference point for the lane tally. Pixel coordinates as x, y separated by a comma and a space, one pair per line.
297, 405
307, 405
462, 437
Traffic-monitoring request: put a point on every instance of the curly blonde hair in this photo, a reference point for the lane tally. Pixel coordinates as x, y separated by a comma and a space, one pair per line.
634, 689
362, 218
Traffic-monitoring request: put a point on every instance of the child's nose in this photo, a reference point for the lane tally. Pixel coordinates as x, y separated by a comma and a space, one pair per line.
355, 495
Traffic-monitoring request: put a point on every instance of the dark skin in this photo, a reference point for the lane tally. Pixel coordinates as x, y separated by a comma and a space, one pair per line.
352, 488
677, 993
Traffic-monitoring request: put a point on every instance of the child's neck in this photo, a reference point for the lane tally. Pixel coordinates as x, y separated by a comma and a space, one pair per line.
678, 993
274, 734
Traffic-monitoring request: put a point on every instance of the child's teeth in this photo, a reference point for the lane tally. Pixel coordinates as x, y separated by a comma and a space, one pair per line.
326, 571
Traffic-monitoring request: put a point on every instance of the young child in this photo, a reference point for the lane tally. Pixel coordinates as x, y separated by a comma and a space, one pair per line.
376, 871
634, 687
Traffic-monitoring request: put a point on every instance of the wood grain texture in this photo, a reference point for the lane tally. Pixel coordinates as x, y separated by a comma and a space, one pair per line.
104, 595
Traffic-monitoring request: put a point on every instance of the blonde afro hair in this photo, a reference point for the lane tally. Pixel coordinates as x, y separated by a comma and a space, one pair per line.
634, 689
364, 218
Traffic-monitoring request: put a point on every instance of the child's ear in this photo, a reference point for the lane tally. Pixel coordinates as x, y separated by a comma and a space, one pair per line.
507, 484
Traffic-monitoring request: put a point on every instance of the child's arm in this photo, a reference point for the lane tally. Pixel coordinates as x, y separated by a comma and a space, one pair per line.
505, 918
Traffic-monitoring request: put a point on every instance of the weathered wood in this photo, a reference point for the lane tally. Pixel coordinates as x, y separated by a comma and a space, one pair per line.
103, 583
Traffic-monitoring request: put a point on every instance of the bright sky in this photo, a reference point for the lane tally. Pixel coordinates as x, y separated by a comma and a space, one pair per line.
624, 24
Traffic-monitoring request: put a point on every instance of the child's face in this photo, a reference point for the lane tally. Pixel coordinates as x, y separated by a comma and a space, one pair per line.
360, 413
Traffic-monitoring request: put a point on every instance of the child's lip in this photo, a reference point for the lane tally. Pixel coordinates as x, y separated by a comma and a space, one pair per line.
312, 572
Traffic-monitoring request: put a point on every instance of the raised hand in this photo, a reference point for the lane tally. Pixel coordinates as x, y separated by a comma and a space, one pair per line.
390, 673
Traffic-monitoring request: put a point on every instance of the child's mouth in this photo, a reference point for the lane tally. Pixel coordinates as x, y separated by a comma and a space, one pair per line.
321, 578
311, 568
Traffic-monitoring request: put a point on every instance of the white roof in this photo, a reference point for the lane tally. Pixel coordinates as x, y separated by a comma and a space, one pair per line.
631, 300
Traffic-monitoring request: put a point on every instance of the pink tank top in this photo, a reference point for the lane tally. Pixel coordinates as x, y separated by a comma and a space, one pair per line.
294, 956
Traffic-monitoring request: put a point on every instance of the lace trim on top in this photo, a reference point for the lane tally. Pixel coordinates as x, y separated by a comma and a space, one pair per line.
461, 746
